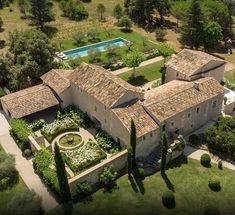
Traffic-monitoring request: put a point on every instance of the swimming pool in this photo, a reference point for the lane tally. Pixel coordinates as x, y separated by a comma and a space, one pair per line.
83, 51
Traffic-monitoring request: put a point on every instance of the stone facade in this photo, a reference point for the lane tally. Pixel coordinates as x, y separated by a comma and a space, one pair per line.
91, 175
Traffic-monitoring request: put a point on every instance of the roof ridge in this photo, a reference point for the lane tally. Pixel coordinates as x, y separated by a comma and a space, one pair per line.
26, 89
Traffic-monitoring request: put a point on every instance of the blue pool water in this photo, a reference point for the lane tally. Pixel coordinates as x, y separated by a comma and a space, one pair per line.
83, 51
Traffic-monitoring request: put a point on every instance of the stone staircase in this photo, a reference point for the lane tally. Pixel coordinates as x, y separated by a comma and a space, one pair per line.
152, 162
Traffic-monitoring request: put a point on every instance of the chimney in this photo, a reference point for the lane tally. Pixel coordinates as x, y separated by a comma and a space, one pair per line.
197, 85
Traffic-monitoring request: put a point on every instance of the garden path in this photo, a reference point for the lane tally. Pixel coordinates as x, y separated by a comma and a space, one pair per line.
24, 166
145, 63
196, 154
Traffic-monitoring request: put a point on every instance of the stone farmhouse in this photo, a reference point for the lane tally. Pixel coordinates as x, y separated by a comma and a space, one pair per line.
190, 65
184, 104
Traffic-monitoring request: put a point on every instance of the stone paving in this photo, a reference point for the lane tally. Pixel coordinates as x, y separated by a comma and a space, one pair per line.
24, 167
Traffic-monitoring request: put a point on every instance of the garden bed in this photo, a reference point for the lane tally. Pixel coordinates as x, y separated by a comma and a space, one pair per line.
83, 157
50, 131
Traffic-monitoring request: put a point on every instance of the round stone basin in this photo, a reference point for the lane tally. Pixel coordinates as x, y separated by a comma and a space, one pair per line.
70, 141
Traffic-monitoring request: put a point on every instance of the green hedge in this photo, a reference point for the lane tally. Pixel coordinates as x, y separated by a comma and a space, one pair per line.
20, 131
42, 162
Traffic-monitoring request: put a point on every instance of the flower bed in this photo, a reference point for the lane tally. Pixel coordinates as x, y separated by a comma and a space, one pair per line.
106, 142
73, 112
50, 131
87, 155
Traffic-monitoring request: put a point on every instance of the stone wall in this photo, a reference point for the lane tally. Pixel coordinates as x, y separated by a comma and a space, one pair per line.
91, 175
34, 144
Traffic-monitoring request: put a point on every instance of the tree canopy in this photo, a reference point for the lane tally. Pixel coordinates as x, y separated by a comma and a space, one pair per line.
41, 12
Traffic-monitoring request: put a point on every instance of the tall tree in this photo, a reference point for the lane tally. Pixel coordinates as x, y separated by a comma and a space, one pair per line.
164, 148
62, 176
212, 35
133, 60
101, 10
129, 161
118, 11
163, 8
191, 33
133, 140
41, 12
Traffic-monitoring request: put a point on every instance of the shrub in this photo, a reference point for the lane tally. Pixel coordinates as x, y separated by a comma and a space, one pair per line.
108, 177
160, 34
84, 188
220, 165
94, 55
25, 202
20, 131
168, 199
27, 152
73, 10
37, 125
42, 163
165, 50
93, 33
73, 112
194, 139
205, 160
79, 37
139, 172
106, 142
2, 93
8, 173
214, 183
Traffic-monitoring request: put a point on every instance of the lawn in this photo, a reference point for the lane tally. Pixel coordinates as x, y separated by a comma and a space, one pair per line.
187, 178
108, 34
144, 74
230, 76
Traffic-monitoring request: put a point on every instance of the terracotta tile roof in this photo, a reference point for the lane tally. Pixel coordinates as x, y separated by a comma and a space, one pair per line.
144, 123
29, 101
178, 96
102, 84
190, 62
57, 79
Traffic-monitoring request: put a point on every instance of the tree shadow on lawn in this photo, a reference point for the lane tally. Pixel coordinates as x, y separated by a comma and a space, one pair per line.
178, 162
168, 182
137, 81
50, 31
137, 184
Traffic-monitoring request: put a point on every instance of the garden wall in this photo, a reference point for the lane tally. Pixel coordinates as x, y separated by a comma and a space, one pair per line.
91, 175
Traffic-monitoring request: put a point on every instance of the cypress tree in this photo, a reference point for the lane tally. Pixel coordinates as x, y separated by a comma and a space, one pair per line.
62, 176
192, 29
133, 143
129, 161
164, 148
